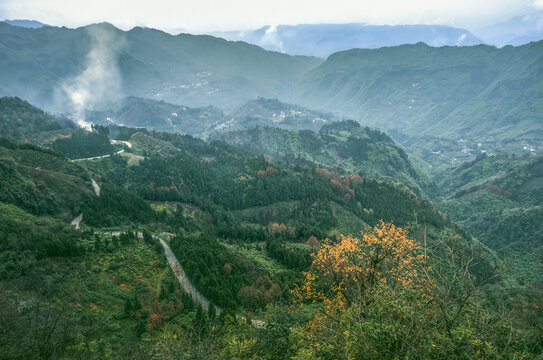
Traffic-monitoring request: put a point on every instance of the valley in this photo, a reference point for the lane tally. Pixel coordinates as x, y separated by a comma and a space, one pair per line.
188, 197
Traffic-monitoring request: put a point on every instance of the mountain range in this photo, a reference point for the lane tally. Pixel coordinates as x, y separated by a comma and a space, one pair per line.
220, 200
198, 69
433, 100
321, 40
479, 97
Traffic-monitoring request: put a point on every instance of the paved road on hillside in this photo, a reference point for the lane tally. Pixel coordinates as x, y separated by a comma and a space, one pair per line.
99, 157
184, 280
187, 286
127, 143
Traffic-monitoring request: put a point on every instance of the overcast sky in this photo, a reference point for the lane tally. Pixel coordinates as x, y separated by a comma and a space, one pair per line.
209, 15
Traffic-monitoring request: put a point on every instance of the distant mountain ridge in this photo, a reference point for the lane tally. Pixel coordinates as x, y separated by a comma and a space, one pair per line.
444, 104
516, 31
31, 24
486, 96
321, 40
196, 70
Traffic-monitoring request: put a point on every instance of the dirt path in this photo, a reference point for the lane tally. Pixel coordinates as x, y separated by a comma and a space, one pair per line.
96, 188
75, 222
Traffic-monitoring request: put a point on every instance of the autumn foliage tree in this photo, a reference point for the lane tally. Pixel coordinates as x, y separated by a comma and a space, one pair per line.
352, 268
376, 297
353, 279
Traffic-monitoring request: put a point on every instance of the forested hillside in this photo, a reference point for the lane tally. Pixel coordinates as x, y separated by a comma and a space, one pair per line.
24, 122
21, 121
344, 146
253, 234
441, 103
499, 200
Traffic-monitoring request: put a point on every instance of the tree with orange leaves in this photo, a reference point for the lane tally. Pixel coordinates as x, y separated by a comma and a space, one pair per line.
350, 269
355, 277
375, 297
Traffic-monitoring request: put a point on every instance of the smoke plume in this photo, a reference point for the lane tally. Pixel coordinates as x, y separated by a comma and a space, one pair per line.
100, 81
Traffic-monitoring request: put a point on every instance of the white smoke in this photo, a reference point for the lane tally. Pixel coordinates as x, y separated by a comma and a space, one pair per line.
271, 40
101, 80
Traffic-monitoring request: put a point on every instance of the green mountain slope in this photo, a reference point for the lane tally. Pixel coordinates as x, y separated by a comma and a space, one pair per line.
223, 182
429, 98
343, 146
42, 182
499, 200
187, 69
243, 227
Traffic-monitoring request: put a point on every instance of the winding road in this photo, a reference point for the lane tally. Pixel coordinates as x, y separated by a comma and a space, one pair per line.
99, 157
174, 264
127, 143
187, 286
178, 271
184, 280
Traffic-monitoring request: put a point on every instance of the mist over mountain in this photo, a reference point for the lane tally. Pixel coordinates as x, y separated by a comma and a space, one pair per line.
515, 31
43, 65
322, 40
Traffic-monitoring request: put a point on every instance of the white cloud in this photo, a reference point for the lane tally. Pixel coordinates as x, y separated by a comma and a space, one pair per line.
538, 4
200, 15
271, 39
